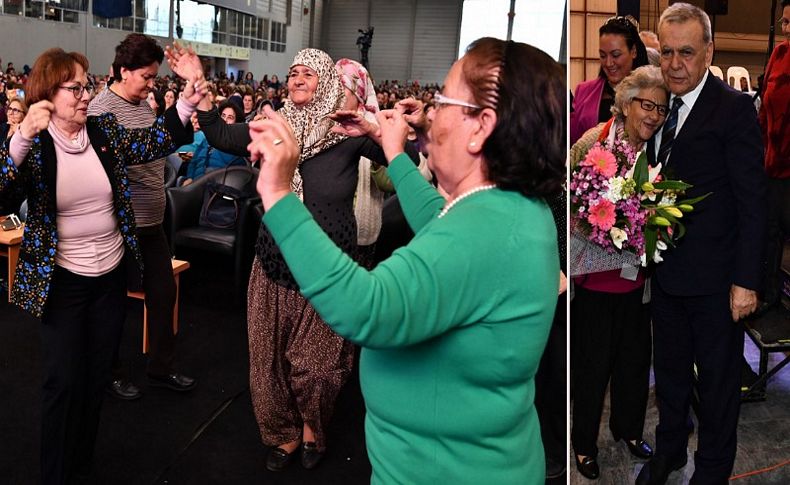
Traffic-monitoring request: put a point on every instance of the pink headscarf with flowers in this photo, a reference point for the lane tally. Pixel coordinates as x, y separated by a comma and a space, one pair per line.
369, 199
356, 79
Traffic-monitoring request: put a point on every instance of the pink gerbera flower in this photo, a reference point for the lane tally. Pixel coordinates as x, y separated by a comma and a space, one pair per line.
602, 214
602, 161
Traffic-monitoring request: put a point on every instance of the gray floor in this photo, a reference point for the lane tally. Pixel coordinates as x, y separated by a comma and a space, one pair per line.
763, 438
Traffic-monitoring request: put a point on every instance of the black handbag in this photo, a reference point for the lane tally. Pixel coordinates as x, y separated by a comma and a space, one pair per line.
222, 204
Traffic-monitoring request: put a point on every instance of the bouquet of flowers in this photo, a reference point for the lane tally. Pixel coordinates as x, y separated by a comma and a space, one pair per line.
622, 211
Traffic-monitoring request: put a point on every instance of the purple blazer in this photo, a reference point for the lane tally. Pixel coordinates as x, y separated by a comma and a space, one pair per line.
586, 103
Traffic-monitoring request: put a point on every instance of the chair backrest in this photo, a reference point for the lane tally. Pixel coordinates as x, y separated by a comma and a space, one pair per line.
170, 175
716, 71
734, 76
242, 178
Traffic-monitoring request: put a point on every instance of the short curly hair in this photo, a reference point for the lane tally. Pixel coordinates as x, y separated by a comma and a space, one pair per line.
526, 150
645, 77
134, 52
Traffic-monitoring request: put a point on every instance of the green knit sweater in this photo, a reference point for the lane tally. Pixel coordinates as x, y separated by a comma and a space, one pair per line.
453, 328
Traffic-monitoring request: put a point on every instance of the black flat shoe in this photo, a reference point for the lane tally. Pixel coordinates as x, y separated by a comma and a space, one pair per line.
640, 449
123, 389
175, 382
278, 459
588, 467
310, 455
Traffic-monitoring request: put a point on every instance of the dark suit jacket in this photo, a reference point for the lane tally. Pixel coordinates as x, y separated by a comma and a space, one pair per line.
719, 149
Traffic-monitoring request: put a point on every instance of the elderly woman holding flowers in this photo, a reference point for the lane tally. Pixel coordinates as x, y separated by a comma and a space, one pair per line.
610, 322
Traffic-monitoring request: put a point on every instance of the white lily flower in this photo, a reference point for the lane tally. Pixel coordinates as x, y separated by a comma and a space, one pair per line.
618, 236
661, 245
657, 255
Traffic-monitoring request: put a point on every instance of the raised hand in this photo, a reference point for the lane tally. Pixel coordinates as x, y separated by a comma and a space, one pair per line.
413, 111
394, 131
37, 119
183, 61
274, 144
352, 123
195, 90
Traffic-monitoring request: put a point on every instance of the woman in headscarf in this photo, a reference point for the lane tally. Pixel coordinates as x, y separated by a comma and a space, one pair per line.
361, 98
297, 364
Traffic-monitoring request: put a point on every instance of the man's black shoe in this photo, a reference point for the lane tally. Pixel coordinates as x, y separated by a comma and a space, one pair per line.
123, 389
657, 470
640, 449
175, 382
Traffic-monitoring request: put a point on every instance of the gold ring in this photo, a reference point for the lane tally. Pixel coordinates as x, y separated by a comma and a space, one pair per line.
277, 141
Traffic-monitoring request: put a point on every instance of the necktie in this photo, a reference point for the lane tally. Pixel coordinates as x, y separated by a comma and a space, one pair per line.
668, 132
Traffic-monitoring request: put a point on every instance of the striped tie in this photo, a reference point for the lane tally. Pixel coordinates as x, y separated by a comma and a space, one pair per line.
668, 132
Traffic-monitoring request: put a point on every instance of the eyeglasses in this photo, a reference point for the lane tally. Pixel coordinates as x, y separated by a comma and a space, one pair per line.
784, 22
228, 118
648, 105
15, 111
79, 89
441, 100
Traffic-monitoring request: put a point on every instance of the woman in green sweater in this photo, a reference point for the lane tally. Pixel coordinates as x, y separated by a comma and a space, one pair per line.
454, 324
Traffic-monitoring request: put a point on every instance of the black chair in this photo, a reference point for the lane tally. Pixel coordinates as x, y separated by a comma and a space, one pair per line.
170, 175
184, 230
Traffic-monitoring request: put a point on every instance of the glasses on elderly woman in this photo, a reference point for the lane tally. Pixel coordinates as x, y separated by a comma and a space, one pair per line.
440, 100
648, 105
15, 111
78, 89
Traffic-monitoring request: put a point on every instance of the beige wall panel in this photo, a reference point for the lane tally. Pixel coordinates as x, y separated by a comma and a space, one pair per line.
594, 23
577, 35
606, 6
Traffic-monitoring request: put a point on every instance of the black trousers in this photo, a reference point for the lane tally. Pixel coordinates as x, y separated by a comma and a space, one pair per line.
689, 330
550, 390
610, 335
160, 299
80, 329
778, 232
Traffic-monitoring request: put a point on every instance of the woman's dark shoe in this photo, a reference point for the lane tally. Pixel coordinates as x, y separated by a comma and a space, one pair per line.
310, 455
278, 459
640, 449
588, 467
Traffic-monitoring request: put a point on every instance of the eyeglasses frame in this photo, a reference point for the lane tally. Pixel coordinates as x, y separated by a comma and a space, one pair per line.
655, 106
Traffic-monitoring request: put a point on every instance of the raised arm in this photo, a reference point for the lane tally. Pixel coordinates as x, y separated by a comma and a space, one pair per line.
222, 136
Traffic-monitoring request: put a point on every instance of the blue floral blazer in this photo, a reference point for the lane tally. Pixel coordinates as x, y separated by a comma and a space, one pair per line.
116, 147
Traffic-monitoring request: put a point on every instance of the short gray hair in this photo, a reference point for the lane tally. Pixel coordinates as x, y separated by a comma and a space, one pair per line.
682, 13
645, 77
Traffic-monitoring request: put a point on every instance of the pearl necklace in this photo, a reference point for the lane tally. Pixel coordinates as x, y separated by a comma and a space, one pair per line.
461, 197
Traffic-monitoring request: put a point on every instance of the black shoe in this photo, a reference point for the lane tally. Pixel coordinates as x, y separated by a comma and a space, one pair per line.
175, 382
640, 449
278, 459
588, 467
123, 389
554, 468
310, 455
657, 470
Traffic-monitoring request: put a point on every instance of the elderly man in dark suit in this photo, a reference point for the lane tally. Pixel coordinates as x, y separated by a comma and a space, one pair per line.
711, 139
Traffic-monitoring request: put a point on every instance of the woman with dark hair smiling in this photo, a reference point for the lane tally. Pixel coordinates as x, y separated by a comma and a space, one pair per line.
453, 325
80, 226
621, 50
